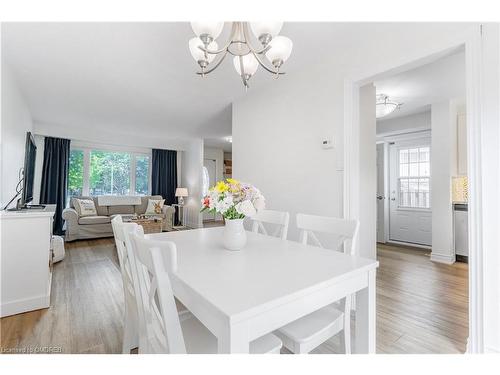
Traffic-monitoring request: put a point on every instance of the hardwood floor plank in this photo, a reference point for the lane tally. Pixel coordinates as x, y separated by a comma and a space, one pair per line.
422, 307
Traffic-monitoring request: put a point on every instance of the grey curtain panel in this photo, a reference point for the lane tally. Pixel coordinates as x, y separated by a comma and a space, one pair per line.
164, 174
55, 177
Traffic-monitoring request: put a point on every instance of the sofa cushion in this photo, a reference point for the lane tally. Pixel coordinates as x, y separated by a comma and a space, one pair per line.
141, 208
124, 210
85, 207
89, 220
155, 206
101, 210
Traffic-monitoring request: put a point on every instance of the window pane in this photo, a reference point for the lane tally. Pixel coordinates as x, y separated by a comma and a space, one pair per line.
413, 155
403, 156
425, 169
109, 173
413, 169
403, 170
75, 173
424, 154
142, 175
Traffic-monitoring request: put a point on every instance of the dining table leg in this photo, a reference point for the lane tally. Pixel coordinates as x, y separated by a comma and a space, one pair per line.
365, 339
234, 339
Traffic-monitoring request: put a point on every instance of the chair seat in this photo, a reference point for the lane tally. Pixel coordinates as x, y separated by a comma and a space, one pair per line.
199, 340
320, 324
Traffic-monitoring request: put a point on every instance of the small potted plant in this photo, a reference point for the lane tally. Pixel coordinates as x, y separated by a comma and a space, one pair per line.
234, 200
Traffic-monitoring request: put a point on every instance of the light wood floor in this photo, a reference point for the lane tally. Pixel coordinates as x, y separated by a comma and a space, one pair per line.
421, 306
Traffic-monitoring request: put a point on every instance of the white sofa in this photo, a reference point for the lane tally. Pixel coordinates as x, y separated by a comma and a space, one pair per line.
99, 226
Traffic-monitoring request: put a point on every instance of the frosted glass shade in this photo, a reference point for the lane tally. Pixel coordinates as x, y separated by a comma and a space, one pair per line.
212, 29
263, 28
198, 54
385, 106
281, 48
250, 64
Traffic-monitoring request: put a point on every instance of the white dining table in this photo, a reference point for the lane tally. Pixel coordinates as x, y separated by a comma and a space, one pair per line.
242, 295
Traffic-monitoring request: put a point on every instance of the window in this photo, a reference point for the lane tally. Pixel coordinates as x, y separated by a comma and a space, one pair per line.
141, 174
414, 177
109, 173
106, 172
75, 175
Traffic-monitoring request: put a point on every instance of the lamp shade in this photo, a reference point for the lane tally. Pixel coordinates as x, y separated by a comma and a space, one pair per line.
213, 29
281, 48
181, 192
263, 28
198, 54
460, 189
385, 106
250, 64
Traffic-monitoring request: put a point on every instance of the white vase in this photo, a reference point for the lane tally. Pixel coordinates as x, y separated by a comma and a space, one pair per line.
235, 236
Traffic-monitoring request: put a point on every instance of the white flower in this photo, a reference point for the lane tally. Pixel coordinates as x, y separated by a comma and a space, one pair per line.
246, 208
225, 204
259, 203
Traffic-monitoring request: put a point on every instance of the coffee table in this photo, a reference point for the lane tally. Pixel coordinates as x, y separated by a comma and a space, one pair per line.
149, 224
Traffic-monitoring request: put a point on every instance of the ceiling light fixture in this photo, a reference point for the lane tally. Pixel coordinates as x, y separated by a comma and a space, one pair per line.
385, 106
271, 55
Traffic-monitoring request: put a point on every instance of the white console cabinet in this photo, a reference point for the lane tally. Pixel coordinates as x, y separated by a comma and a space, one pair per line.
26, 259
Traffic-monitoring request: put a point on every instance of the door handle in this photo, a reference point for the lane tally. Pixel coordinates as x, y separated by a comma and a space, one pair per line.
393, 199
380, 197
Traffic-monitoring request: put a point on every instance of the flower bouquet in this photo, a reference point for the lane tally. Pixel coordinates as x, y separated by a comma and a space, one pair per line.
234, 200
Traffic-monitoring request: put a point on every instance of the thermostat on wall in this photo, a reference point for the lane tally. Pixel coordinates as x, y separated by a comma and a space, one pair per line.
327, 143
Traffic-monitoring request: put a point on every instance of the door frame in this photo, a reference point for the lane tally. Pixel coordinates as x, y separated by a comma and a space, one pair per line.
475, 112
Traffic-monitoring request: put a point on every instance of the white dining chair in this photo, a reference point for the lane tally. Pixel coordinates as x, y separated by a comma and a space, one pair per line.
310, 331
131, 318
166, 331
276, 218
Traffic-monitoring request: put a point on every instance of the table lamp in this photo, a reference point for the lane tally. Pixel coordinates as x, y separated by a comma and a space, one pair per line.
180, 193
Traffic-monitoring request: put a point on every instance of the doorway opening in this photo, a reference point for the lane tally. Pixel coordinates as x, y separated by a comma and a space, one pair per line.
411, 187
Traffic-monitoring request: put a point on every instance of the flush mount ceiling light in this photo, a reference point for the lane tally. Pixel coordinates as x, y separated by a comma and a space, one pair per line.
385, 106
273, 51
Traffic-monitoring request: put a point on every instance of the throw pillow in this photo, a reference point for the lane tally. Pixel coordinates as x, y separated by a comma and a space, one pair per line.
85, 207
155, 206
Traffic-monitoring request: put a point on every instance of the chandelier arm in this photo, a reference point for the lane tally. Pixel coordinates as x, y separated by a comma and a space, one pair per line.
261, 63
231, 36
214, 67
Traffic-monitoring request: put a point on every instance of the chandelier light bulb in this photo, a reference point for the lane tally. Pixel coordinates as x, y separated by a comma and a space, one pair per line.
250, 64
198, 54
265, 31
207, 31
281, 48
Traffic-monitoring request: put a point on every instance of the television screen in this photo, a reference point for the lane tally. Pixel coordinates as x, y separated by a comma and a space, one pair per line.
29, 169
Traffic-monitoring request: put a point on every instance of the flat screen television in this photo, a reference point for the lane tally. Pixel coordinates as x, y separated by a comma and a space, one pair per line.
29, 170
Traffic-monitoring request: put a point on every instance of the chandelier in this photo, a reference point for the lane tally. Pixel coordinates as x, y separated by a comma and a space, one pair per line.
385, 106
272, 52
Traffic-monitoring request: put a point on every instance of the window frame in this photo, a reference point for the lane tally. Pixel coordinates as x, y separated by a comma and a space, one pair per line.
133, 152
408, 146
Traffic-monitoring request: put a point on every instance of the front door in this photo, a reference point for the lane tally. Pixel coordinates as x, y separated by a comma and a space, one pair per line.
381, 199
410, 195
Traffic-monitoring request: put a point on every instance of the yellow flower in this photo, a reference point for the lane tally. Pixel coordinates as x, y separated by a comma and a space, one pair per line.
221, 187
233, 181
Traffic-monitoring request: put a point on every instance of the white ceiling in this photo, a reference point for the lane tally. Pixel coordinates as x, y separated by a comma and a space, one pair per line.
141, 76
419, 88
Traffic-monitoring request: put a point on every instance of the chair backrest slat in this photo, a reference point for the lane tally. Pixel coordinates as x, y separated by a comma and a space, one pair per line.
277, 218
155, 261
345, 230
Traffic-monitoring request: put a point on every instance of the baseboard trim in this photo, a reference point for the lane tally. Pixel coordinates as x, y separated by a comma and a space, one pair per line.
439, 258
24, 305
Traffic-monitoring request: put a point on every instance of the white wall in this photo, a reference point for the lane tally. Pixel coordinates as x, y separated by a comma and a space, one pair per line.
192, 174
490, 157
443, 167
367, 244
16, 121
404, 124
